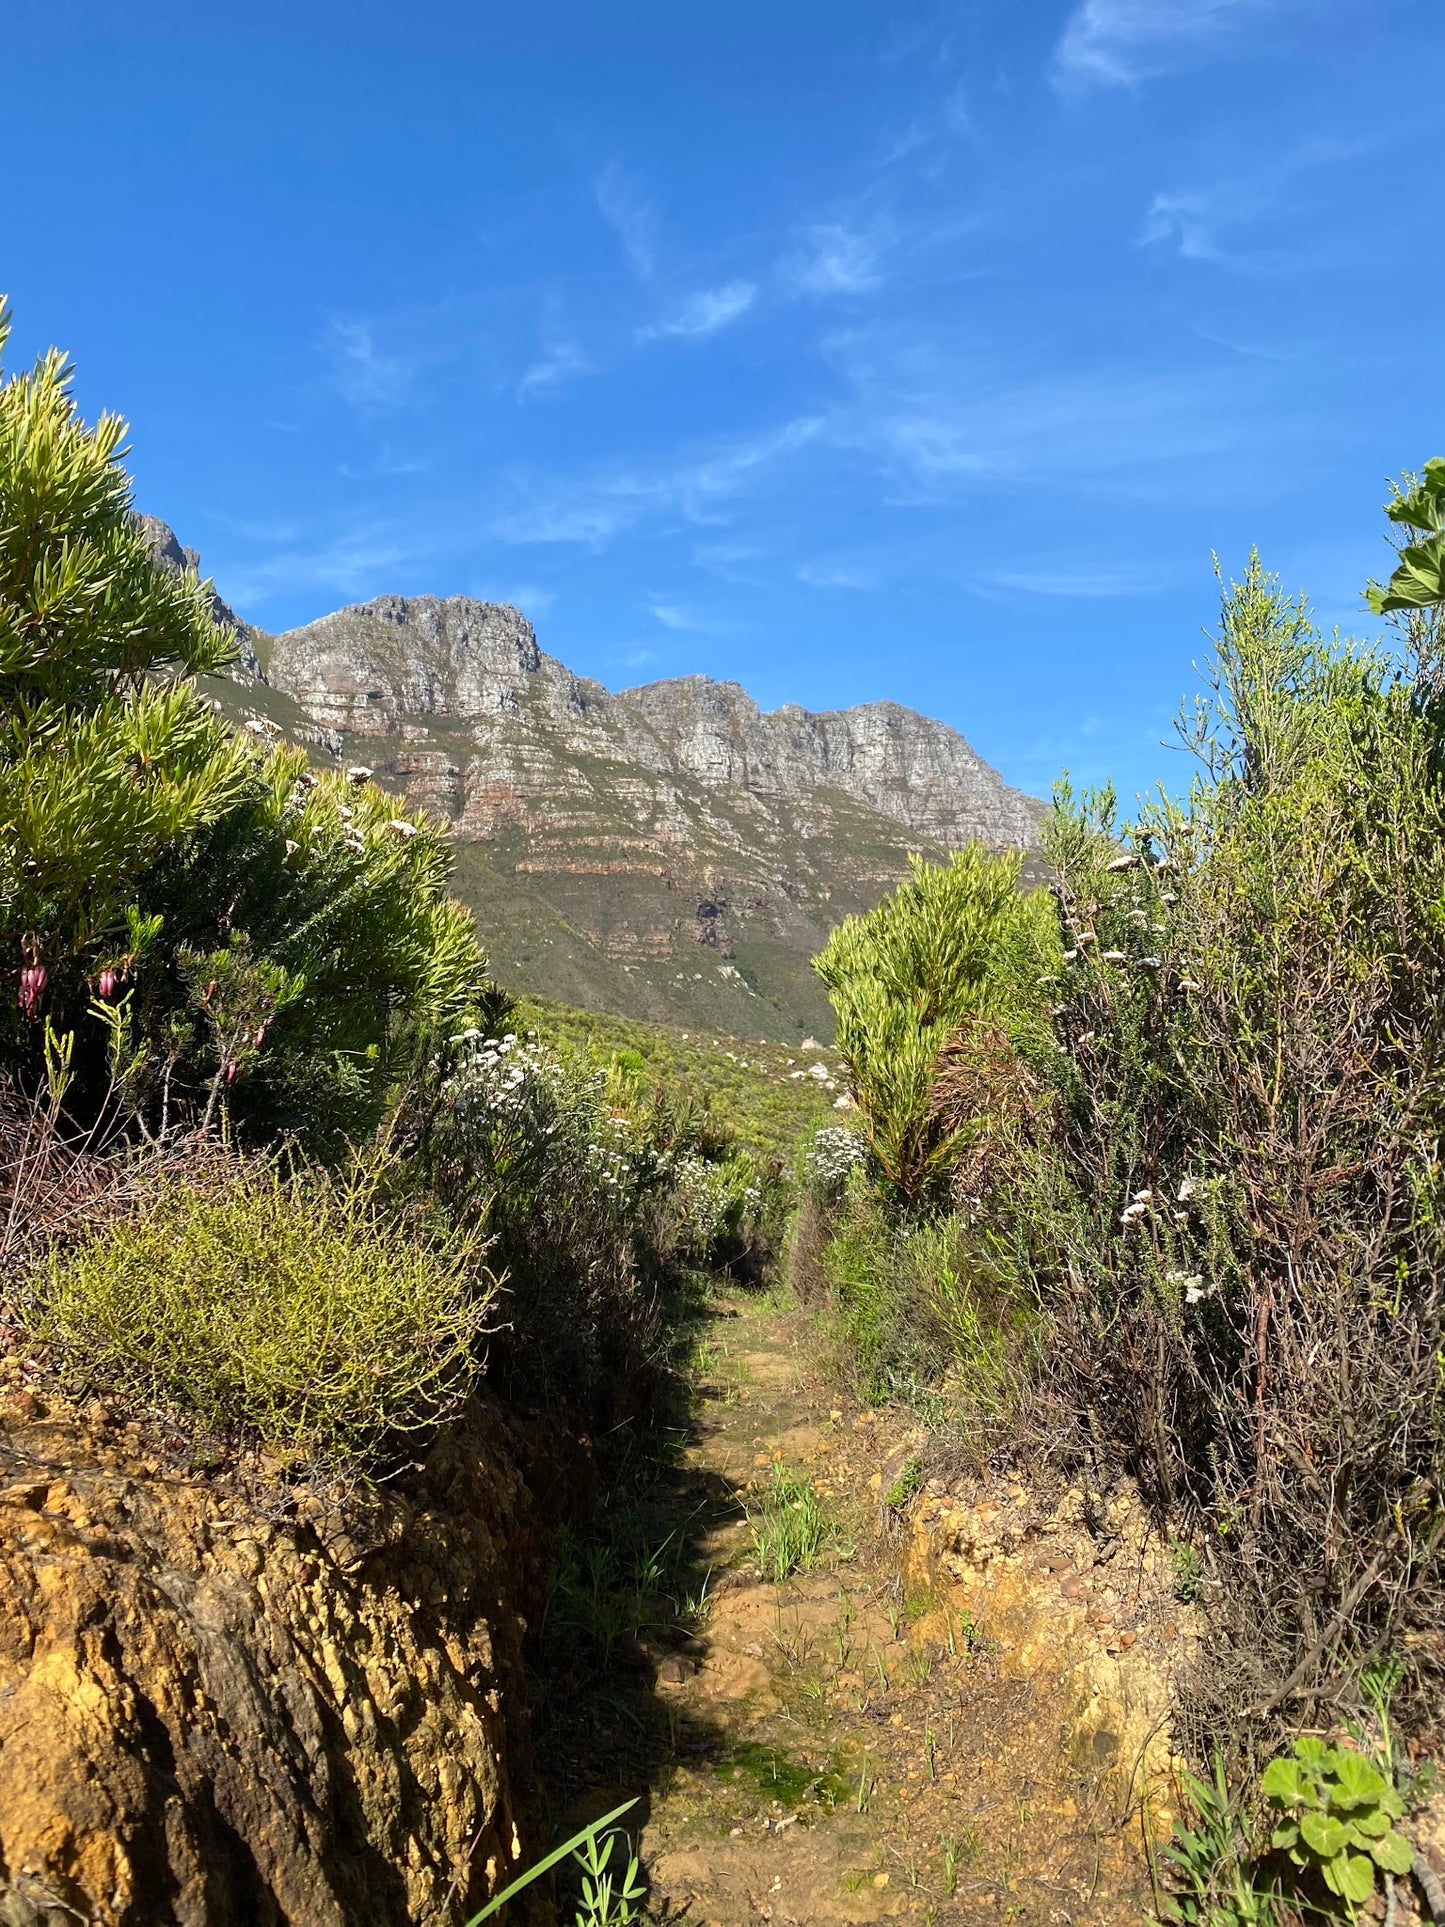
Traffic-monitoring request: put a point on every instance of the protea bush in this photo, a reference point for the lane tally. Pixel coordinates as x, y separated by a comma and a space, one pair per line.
195, 923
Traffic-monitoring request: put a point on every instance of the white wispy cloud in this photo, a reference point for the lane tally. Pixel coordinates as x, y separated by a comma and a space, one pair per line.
1188, 219
703, 313
831, 575
352, 567
367, 376
1113, 43
671, 616
628, 212
1088, 582
835, 259
935, 422
594, 509
563, 361
584, 516
1209, 223
526, 596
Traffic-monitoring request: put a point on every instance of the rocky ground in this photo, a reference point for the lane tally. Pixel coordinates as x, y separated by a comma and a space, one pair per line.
225, 1699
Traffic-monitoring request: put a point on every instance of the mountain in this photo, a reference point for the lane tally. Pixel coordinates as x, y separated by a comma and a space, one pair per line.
670, 852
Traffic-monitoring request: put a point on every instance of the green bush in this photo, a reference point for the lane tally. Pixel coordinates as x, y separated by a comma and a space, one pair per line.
955, 942
293, 1309
927, 1312
208, 922
591, 1209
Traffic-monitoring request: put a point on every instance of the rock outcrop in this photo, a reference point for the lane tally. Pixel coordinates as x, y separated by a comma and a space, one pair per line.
607, 839
227, 1702
172, 559
399, 663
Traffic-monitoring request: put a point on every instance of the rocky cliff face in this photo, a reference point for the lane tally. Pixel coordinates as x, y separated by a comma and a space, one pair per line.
398, 664
227, 1701
669, 851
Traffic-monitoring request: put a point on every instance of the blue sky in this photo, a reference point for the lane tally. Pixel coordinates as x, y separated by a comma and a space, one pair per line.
849, 350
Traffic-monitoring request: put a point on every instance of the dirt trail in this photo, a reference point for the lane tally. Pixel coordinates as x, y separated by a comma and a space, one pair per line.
862, 1741
850, 1744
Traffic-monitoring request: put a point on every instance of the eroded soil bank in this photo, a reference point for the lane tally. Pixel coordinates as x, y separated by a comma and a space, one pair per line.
957, 1714
227, 1700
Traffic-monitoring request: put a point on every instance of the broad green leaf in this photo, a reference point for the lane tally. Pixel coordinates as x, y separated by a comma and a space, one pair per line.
1394, 1853
1369, 1825
1350, 1875
1283, 1781
1423, 507
1285, 1834
1312, 1754
1417, 583
1357, 1784
1325, 1834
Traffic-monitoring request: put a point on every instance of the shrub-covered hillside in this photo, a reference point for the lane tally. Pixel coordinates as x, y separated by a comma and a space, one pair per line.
765, 1097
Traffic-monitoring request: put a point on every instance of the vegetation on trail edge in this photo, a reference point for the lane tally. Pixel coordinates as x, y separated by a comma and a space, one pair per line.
1156, 1194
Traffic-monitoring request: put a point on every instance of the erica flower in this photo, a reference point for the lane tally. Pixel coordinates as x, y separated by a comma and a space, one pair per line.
33, 979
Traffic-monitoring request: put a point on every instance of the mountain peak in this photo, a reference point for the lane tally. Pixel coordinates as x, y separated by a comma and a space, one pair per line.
668, 851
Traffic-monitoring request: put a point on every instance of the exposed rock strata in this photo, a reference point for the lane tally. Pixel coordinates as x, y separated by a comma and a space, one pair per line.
372, 669
263, 1710
596, 826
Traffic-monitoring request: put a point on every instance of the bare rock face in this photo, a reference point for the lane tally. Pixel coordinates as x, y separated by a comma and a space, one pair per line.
403, 662
172, 559
603, 839
263, 1710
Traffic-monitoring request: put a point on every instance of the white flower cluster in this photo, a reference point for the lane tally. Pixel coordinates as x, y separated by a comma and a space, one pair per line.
613, 1169
832, 1156
495, 1077
714, 1199
1192, 1284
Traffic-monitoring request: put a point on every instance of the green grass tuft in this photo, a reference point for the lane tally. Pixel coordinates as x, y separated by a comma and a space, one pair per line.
791, 1527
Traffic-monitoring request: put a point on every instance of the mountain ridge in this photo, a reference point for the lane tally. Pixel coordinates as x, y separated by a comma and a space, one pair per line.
669, 851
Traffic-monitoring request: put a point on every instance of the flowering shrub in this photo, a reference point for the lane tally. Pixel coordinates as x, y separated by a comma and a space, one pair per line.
588, 1205
716, 1203
831, 1158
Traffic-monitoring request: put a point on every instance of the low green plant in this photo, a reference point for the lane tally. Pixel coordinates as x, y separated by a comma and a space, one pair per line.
1217, 1883
583, 1846
293, 1308
1188, 1571
609, 1898
790, 1526
1335, 1818
906, 1486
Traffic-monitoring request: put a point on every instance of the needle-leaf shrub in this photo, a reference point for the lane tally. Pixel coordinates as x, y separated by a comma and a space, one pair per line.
212, 925
955, 941
293, 1309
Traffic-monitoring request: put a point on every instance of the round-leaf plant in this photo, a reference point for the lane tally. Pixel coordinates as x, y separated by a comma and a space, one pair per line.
1336, 1814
